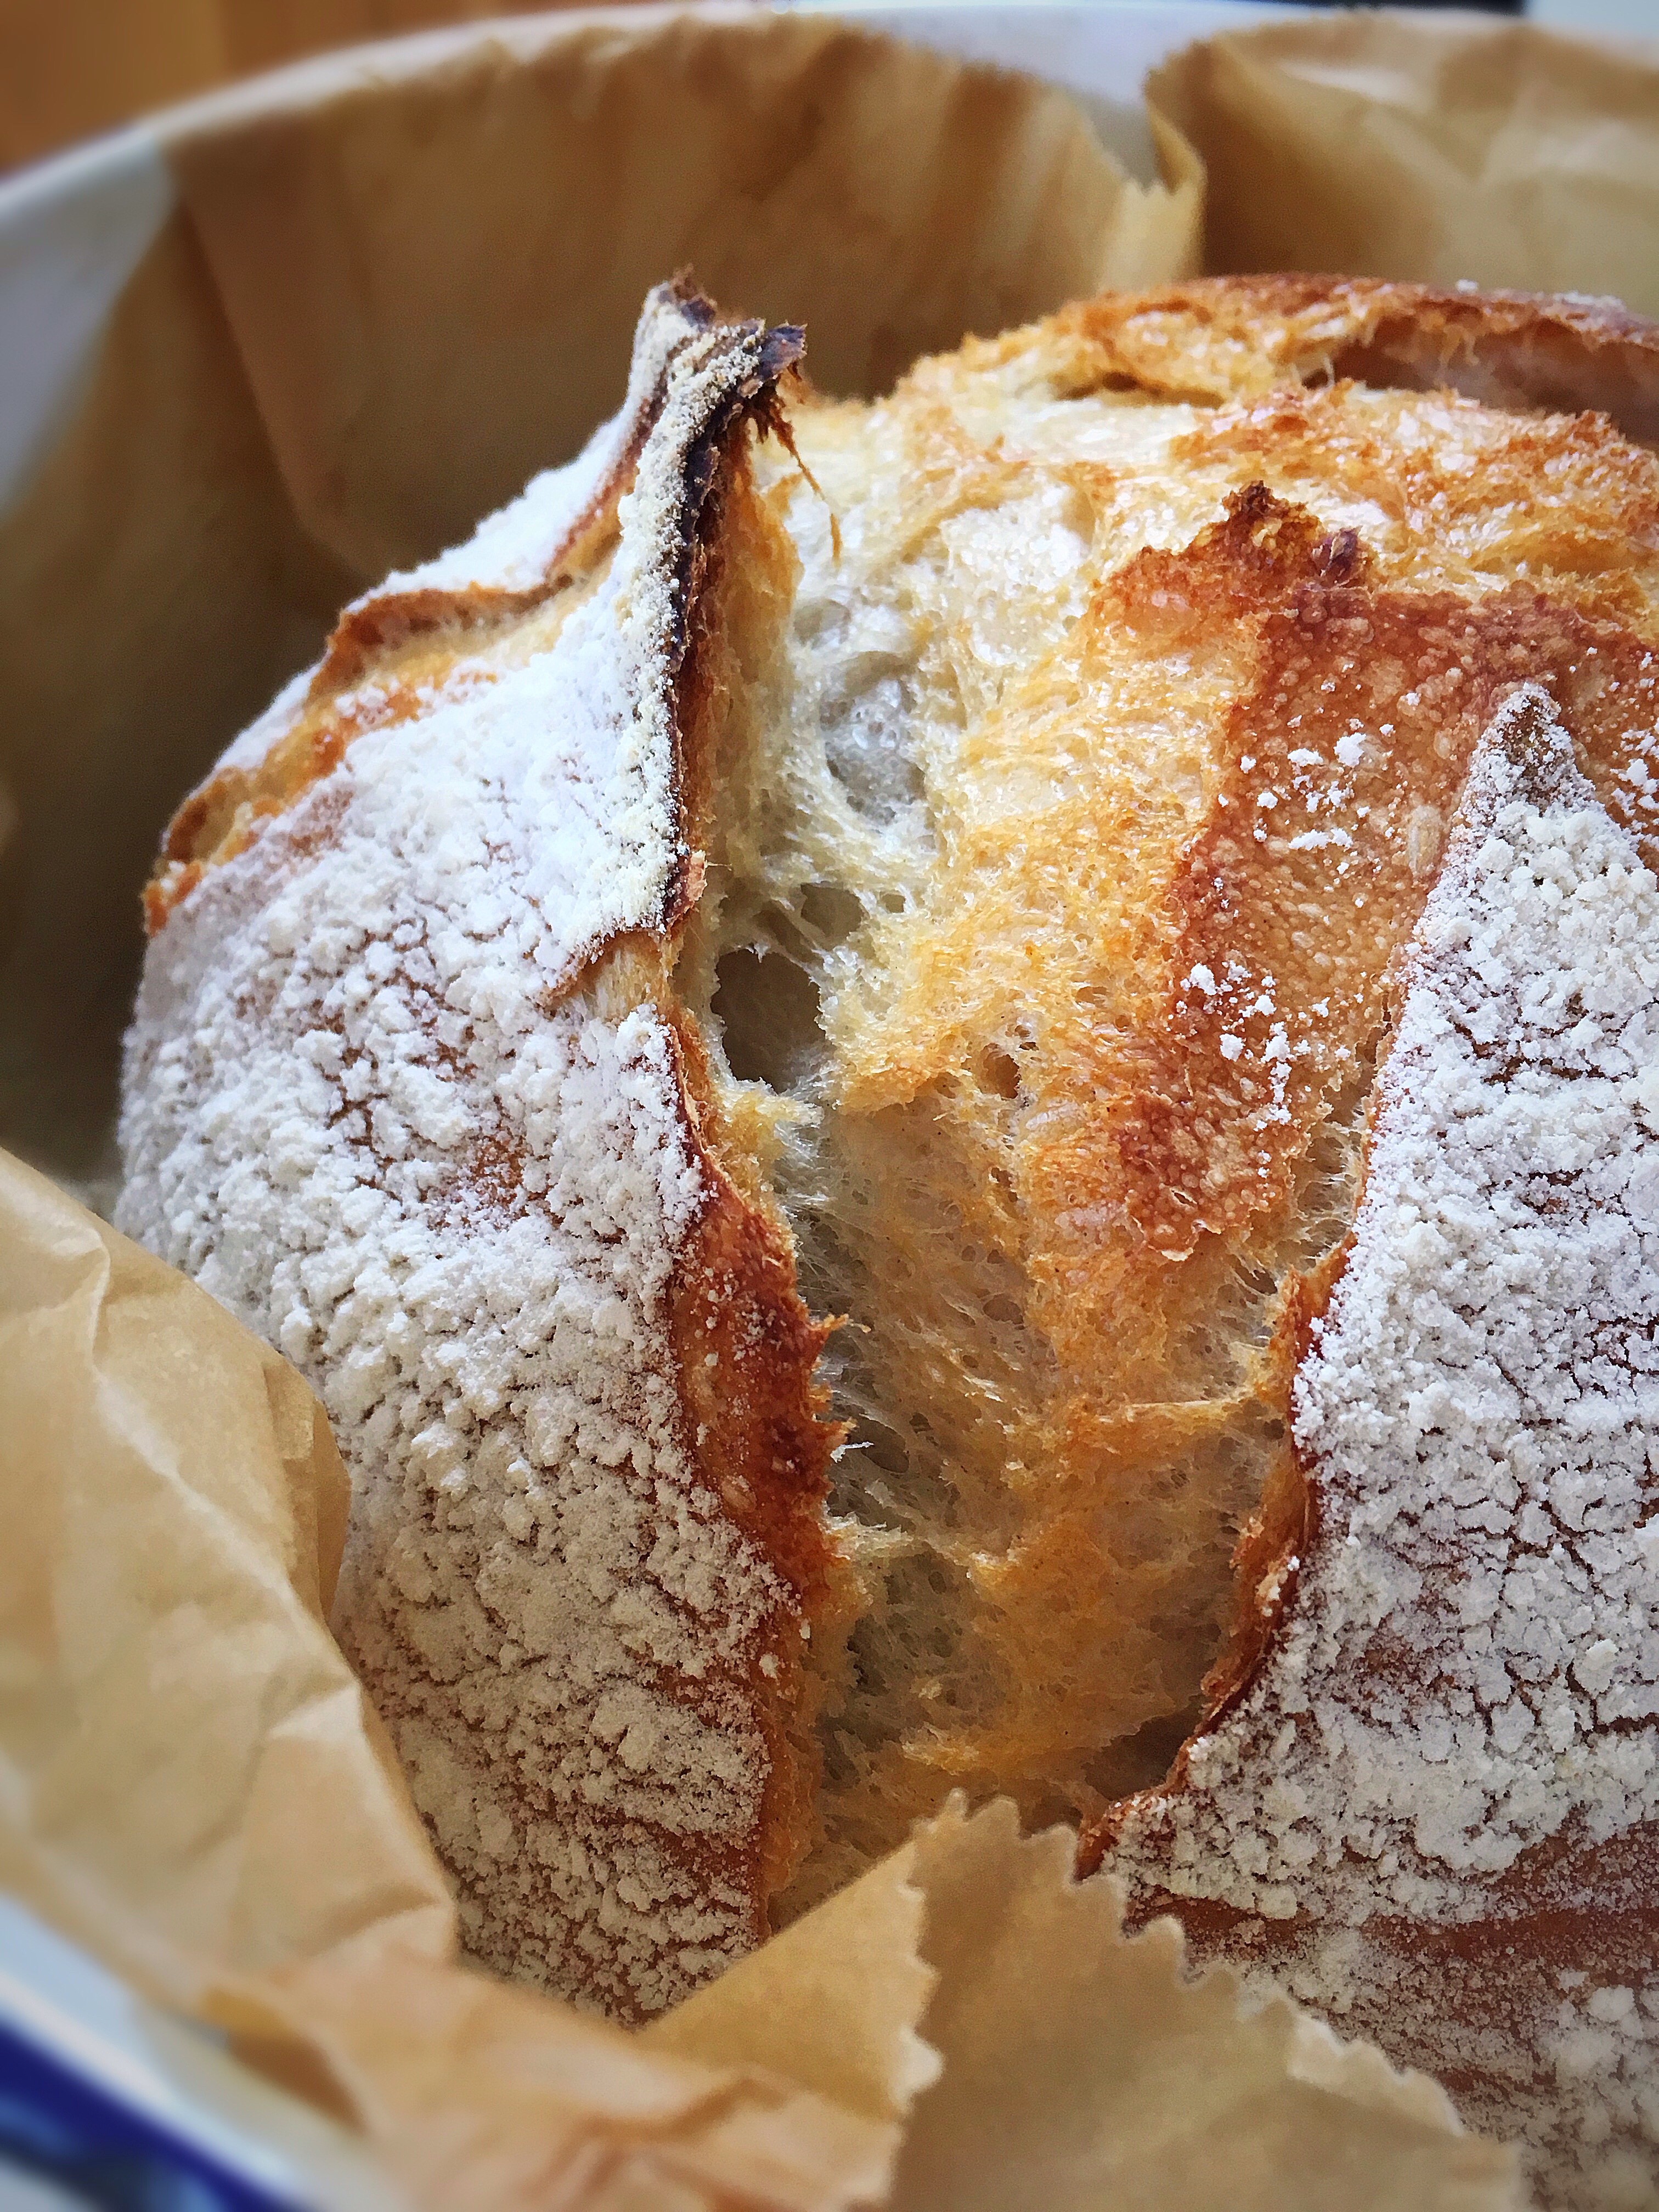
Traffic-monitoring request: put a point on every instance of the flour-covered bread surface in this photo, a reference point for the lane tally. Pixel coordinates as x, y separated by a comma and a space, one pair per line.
409, 1088
949, 867
1426, 1798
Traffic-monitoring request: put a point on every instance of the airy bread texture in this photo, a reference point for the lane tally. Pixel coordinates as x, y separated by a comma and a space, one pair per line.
935, 868
1132, 685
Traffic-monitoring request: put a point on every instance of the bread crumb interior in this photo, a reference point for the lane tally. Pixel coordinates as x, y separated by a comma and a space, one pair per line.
829, 903
941, 962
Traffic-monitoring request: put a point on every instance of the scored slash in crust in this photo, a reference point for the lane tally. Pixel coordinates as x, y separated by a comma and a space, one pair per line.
1074, 804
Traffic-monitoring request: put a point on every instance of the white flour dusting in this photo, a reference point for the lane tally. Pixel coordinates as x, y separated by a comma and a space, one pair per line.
372, 1105
1468, 1667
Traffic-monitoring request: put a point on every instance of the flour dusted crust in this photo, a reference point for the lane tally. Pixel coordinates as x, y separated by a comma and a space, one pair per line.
963, 888
407, 1089
1431, 1804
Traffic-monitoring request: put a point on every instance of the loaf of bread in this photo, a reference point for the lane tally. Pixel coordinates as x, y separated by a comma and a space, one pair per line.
790, 1038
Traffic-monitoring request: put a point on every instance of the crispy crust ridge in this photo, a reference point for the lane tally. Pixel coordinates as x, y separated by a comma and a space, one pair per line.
745, 1347
1227, 337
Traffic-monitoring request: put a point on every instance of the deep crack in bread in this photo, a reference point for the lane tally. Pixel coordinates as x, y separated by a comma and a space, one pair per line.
784, 1034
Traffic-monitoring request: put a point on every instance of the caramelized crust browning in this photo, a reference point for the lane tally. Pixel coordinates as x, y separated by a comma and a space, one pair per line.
1185, 660
1239, 337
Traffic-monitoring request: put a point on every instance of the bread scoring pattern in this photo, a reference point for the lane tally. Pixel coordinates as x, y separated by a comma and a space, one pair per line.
1125, 732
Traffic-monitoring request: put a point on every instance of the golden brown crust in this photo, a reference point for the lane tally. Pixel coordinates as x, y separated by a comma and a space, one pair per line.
745, 1347
1187, 1130
1227, 337
1126, 810
1334, 654
1187, 1153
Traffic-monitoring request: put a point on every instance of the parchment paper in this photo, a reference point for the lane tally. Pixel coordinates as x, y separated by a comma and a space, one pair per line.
75, 70
807, 171
1379, 144
385, 300
193, 1785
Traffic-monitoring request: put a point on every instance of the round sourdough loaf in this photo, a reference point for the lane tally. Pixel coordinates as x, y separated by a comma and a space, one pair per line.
789, 1037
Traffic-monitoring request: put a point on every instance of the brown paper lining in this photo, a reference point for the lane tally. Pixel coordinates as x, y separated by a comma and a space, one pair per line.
191, 1784
1389, 145
762, 153
71, 71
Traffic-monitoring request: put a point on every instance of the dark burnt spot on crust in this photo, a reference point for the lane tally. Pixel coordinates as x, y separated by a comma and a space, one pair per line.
1255, 556
1339, 558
